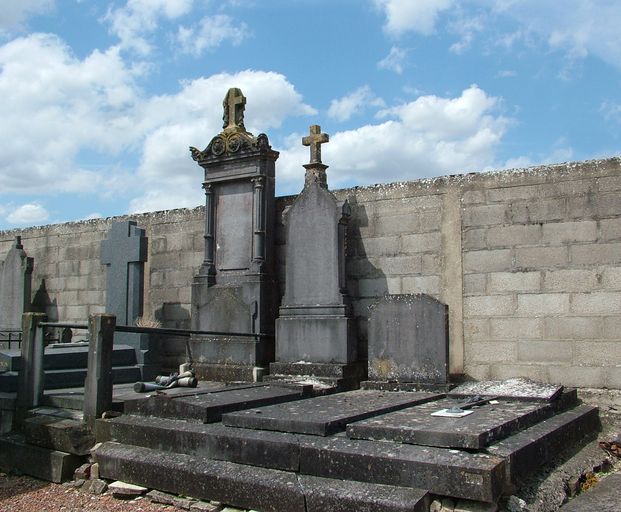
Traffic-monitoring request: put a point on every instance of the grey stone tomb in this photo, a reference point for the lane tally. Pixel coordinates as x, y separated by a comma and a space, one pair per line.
234, 290
314, 323
124, 253
408, 339
15, 287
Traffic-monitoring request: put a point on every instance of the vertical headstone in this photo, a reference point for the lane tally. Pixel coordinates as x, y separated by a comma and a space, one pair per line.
234, 290
15, 287
408, 339
314, 324
124, 253
98, 383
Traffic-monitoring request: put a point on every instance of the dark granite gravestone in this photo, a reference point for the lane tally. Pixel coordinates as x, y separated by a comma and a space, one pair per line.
484, 424
235, 291
325, 415
124, 253
314, 323
15, 287
408, 339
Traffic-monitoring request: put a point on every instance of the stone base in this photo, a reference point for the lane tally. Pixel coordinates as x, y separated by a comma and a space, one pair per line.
315, 338
229, 372
325, 378
147, 350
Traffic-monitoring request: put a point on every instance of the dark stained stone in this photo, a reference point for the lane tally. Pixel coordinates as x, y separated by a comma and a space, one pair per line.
528, 450
408, 339
604, 497
242, 486
444, 472
208, 406
61, 434
325, 494
325, 415
416, 425
517, 388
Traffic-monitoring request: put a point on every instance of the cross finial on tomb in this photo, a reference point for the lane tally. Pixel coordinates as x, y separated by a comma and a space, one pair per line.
315, 140
234, 104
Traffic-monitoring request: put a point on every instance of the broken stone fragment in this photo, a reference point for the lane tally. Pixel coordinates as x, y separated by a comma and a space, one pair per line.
124, 490
83, 472
97, 486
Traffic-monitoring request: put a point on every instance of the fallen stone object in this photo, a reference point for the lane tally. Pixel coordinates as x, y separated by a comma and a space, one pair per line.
121, 489
183, 380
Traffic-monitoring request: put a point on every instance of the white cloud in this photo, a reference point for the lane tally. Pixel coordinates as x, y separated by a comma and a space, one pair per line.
394, 61
430, 136
15, 12
466, 28
412, 15
611, 110
506, 73
560, 152
29, 214
133, 22
353, 103
210, 33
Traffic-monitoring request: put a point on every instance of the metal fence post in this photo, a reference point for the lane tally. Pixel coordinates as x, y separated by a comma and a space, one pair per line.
30, 382
98, 384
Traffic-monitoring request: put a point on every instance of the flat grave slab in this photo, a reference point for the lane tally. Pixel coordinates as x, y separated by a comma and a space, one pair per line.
325, 415
208, 405
604, 497
486, 423
519, 389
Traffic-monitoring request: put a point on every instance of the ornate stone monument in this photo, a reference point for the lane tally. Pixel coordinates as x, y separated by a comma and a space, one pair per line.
15, 287
234, 290
314, 331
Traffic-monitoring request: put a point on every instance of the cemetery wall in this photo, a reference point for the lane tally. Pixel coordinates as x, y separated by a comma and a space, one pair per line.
529, 262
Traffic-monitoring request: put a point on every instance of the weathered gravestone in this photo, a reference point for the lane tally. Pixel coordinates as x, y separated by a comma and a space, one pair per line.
15, 287
314, 324
234, 291
124, 253
408, 339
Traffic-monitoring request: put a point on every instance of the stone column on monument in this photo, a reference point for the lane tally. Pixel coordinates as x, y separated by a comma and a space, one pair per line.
15, 287
234, 290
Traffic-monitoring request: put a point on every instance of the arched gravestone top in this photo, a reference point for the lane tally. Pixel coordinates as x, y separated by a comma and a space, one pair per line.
124, 253
408, 339
15, 286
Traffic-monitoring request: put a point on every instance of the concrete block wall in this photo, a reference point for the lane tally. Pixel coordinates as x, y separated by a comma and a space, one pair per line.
528, 261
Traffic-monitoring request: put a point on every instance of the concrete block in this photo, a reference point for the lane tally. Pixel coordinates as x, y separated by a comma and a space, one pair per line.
516, 328
96, 297
534, 372
379, 246
612, 375
475, 284
489, 305
577, 376
541, 257
407, 222
596, 254
596, 303
574, 328
597, 353
611, 278
514, 281
379, 286
476, 329
177, 278
399, 265
69, 268
570, 232
423, 242
491, 352
158, 244
432, 263
545, 352
608, 183
542, 304
486, 215
611, 327
538, 210
478, 371
507, 194
566, 188
571, 280
595, 206
610, 229
512, 235
474, 239
488, 261
421, 284
473, 197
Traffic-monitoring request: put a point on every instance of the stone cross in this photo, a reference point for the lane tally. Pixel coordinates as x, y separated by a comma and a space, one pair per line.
124, 252
315, 140
234, 104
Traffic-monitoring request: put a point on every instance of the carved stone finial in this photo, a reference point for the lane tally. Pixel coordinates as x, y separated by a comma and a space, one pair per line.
315, 140
234, 104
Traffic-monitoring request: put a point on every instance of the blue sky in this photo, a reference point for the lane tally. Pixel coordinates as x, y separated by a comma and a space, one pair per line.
100, 100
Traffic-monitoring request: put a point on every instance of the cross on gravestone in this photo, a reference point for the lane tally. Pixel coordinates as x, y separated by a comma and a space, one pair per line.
124, 252
315, 140
234, 104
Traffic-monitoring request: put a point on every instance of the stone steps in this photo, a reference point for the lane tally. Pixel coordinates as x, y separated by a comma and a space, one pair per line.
250, 487
58, 433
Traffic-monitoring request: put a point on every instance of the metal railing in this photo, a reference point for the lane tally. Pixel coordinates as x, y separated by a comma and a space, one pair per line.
10, 338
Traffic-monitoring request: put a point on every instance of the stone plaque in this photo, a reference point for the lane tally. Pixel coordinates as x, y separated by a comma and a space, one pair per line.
234, 229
